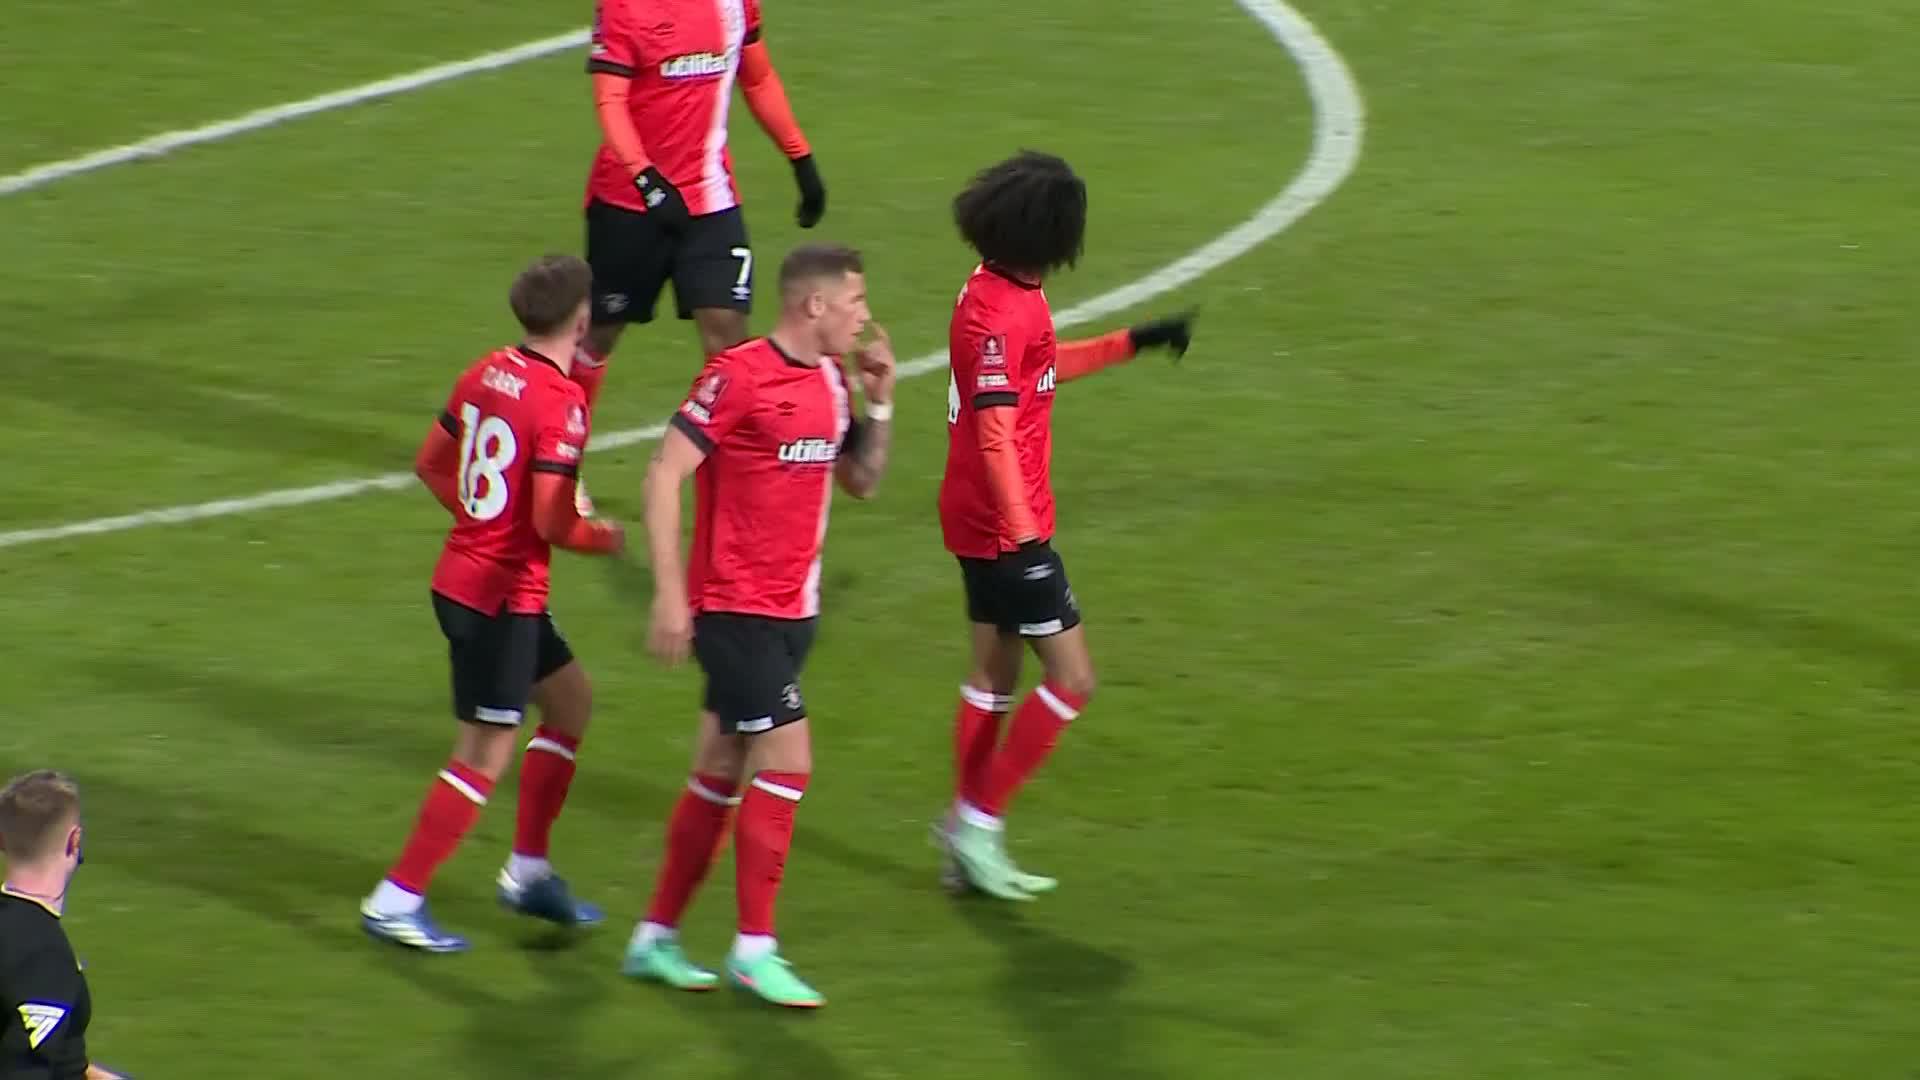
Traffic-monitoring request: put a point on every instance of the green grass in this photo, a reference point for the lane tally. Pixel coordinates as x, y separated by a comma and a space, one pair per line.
1502, 613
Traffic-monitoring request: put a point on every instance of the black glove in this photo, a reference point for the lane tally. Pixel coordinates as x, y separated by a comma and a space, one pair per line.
1174, 331
813, 193
663, 200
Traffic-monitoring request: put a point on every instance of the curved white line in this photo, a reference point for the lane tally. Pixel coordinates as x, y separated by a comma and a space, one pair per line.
1339, 124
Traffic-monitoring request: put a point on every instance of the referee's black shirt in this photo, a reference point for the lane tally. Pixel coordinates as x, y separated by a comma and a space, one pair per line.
43, 1033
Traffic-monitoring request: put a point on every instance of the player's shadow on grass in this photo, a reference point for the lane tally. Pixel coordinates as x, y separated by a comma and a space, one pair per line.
763, 1038
1067, 995
299, 711
1064, 994
536, 1034
261, 415
169, 838
1802, 631
166, 835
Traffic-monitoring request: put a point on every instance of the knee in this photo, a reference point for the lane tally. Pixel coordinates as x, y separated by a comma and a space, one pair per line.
716, 342
567, 707
1080, 682
602, 338
485, 749
988, 684
718, 754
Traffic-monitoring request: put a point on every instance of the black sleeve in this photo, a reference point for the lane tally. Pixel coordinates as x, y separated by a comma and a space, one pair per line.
692, 431
598, 66
856, 434
46, 995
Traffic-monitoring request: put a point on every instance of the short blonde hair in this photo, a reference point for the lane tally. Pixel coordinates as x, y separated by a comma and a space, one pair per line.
36, 809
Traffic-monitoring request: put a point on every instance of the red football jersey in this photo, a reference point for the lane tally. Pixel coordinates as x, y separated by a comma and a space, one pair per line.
682, 56
515, 414
1000, 348
772, 428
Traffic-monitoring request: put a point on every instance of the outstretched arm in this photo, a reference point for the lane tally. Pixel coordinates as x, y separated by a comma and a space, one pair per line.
1074, 359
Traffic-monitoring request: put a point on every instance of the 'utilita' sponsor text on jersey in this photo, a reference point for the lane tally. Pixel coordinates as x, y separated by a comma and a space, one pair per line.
682, 57
772, 429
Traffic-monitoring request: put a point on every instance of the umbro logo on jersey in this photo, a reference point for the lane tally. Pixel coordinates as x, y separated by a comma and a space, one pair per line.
40, 1019
698, 65
809, 452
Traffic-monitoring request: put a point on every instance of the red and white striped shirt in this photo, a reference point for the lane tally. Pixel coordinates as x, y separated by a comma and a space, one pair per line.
773, 429
682, 56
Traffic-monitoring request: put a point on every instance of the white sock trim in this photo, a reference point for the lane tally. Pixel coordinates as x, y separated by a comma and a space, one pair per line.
781, 790
984, 701
694, 785
541, 742
977, 817
646, 933
463, 787
751, 947
527, 869
391, 899
1060, 708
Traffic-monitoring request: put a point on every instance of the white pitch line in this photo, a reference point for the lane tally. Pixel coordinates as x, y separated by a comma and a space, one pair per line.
1339, 124
168, 142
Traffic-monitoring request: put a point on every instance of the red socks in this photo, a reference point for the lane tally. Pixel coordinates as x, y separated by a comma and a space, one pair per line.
1036, 727
589, 370
763, 835
763, 832
545, 775
451, 807
694, 834
976, 731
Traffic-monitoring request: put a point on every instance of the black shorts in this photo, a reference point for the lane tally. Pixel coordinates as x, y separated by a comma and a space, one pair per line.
1020, 595
497, 659
632, 258
753, 668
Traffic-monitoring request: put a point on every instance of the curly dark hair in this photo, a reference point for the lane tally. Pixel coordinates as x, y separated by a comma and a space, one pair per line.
1027, 214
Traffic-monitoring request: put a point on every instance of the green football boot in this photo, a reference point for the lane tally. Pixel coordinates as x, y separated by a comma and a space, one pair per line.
772, 979
662, 961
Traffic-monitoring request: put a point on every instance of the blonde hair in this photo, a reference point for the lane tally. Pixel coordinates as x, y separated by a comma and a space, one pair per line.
36, 809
